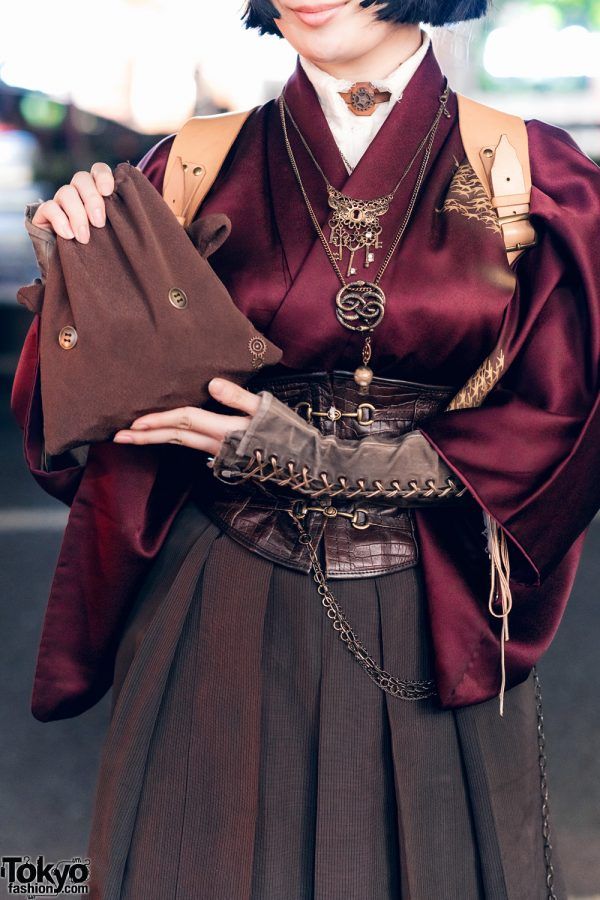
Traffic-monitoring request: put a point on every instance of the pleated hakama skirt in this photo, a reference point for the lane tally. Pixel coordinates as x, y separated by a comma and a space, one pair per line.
250, 757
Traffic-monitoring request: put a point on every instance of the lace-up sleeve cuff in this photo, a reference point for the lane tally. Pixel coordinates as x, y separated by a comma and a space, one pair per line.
278, 437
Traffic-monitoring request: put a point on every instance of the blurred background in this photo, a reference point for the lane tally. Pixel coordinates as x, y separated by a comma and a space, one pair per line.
81, 82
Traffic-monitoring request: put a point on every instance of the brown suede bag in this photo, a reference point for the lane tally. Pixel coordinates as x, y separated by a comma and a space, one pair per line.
136, 321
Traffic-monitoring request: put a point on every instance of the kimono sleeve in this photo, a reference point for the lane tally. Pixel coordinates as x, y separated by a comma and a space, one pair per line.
59, 476
530, 453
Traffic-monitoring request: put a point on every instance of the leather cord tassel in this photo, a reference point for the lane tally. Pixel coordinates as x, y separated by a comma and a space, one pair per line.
499, 588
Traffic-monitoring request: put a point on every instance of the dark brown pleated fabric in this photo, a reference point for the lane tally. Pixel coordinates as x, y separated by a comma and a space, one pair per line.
250, 757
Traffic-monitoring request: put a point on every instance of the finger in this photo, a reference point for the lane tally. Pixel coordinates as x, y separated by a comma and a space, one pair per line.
231, 394
68, 198
193, 418
169, 436
93, 201
49, 213
104, 178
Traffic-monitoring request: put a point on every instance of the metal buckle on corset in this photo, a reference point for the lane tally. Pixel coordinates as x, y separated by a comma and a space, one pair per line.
362, 414
359, 517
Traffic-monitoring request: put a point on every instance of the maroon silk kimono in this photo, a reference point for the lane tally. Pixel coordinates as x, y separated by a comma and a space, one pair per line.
529, 455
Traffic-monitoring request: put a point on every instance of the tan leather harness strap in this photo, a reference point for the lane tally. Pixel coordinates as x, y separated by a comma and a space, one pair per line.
196, 156
497, 147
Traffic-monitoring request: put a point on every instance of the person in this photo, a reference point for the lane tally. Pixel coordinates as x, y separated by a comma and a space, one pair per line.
248, 756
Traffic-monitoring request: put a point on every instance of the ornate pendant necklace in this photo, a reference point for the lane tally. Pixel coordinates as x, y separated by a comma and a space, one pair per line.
355, 224
360, 305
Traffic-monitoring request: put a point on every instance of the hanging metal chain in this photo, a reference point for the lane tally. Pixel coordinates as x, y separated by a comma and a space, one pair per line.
544, 789
349, 166
430, 136
397, 687
419, 690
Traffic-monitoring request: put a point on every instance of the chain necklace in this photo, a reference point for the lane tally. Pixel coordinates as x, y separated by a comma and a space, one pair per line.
349, 168
360, 305
355, 224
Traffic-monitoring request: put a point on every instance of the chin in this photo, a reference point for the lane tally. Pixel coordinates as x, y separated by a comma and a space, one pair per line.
335, 42
322, 48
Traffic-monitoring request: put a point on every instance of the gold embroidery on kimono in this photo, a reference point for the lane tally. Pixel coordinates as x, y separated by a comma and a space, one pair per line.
468, 197
480, 383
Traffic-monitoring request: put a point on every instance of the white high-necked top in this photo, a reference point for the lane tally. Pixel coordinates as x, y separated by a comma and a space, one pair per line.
353, 133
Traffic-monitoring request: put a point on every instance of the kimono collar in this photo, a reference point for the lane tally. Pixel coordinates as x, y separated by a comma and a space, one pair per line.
391, 148
352, 133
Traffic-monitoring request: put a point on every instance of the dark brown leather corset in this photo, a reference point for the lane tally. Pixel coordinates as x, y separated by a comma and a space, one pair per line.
357, 537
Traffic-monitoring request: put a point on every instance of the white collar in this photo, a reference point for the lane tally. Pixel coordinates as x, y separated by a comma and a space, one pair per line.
328, 88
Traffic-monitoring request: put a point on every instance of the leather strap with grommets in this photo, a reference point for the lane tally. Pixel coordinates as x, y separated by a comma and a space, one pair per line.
195, 158
497, 147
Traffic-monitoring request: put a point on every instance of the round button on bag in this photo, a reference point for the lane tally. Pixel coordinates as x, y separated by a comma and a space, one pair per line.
178, 298
67, 337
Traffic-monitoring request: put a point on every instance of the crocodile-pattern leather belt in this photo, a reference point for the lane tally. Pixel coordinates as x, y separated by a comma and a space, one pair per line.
356, 537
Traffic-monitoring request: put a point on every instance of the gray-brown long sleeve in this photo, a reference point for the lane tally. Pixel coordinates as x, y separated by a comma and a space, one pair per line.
43, 239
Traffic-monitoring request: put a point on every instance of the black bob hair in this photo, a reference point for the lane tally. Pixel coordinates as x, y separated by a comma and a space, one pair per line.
261, 13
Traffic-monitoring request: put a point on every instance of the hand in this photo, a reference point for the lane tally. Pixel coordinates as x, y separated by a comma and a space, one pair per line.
193, 426
77, 204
